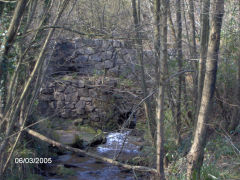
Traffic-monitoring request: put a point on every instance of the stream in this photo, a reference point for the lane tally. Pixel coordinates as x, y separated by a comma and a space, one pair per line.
87, 168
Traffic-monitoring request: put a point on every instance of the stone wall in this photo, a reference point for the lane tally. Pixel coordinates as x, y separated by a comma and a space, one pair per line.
83, 82
94, 103
95, 56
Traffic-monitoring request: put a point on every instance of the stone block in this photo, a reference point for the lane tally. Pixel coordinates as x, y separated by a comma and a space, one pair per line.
60, 87
80, 111
106, 55
70, 89
86, 99
73, 97
52, 104
89, 50
60, 104
89, 103
81, 50
80, 105
116, 44
98, 42
81, 59
99, 66
66, 113
95, 57
83, 92
94, 117
78, 122
81, 84
51, 85
114, 72
70, 105
46, 97
108, 64
105, 44
59, 96
89, 108
93, 93
47, 91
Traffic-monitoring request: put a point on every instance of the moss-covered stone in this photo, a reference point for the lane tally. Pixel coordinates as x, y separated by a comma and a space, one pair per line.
82, 137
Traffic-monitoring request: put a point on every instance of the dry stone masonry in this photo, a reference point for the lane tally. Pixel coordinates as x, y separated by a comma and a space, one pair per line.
82, 81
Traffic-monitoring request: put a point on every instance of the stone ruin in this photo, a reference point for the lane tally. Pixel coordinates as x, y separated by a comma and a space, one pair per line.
83, 82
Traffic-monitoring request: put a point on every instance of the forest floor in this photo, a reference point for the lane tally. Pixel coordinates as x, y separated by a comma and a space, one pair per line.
221, 160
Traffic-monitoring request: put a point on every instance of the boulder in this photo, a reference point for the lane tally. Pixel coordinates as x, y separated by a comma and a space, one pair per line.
80, 139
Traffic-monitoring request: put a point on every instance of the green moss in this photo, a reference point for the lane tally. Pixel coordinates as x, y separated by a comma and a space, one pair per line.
87, 129
111, 125
139, 161
62, 171
55, 135
79, 143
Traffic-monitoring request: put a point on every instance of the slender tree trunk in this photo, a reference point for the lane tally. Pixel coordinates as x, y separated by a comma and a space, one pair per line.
7, 44
236, 116
172, 25
13, 80
80, 151
147, 104
12, 30
1, 9
203, 51
196, 154
193, 51
180, 79
12, 116
160, 17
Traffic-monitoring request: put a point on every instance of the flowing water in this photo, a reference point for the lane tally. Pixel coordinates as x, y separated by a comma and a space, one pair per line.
86, 168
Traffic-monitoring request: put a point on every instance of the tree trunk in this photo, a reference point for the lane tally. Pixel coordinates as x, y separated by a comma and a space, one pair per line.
180, 78
12, 116
236, 116
171, 24
193, 52
7, 44
203, 52
160, 32
196, 154
1, 8
147, 104
75, 150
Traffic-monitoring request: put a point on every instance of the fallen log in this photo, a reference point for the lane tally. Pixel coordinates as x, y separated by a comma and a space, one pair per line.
76, 150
